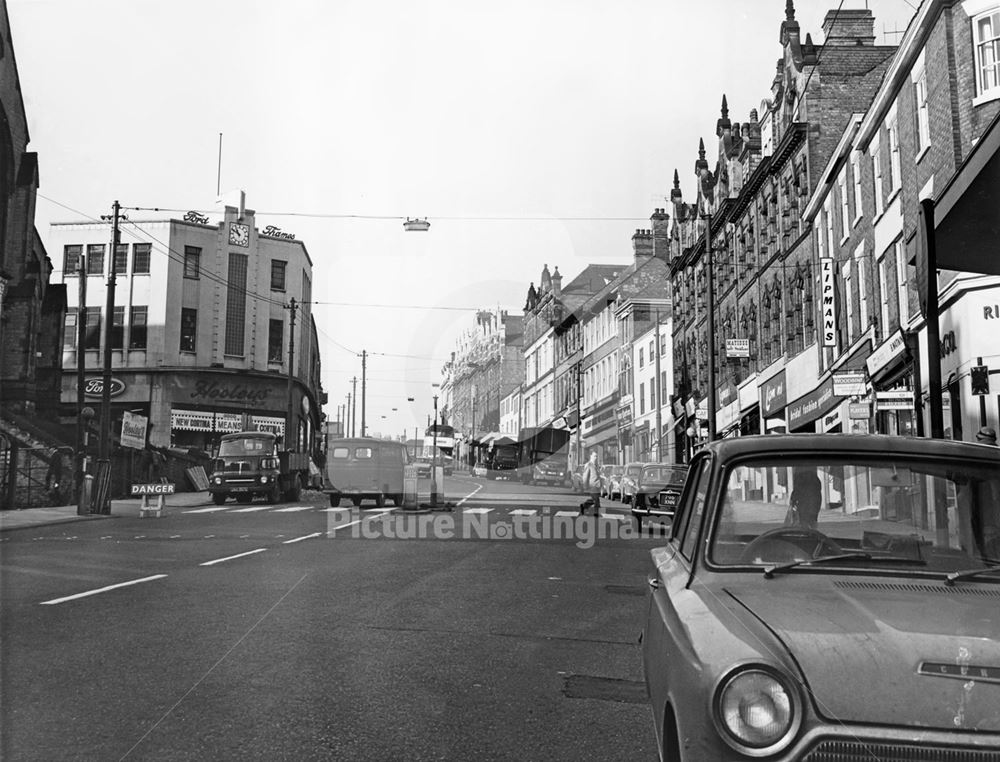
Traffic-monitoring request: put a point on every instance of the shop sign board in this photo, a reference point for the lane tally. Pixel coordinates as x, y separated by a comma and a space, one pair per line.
811, 406
828, 301
849, 384
859, 410
772, 395
133, 430
885, 353
199, 420
738, 348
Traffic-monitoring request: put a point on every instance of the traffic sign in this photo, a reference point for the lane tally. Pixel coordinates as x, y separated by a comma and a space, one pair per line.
980, 375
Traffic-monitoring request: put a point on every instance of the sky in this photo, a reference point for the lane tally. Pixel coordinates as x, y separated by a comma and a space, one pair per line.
528, 133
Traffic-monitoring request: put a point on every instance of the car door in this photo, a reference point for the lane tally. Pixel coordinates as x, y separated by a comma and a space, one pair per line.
664, 643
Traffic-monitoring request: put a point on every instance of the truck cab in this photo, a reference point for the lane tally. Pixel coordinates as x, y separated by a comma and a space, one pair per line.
251, 464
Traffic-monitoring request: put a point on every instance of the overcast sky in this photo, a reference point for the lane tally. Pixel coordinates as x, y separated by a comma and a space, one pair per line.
544, 111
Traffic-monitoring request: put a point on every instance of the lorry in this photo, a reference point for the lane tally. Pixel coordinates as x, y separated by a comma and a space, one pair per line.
543, 456
251, 464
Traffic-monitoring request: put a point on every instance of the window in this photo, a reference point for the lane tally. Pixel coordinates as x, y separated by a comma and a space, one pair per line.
121, 258
845, 209
923, 118
192, 261
986, 38
845, 274
892, 131
278, 267
189, 329
652, 349
95, 259
863, 317
642, 398
236, 304
695, 509
883, 297
118, 328
652, 395
642, 355
93, 331
877, 176
902, 291
140, 258
856, 178
70, 328
275, 336
71, 259
137, 328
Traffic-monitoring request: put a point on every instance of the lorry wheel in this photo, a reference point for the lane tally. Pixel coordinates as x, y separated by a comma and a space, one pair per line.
334, 500
274, 494
397, 500
218, 498
293, 493
380, 501
356, 501
244, 499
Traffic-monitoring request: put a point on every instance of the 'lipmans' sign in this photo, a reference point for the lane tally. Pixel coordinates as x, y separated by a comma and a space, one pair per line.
828, 302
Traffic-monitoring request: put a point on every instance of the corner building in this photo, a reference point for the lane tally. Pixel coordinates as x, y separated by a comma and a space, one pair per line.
201, 327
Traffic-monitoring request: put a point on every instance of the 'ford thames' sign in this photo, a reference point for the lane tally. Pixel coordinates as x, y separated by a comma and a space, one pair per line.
94, 387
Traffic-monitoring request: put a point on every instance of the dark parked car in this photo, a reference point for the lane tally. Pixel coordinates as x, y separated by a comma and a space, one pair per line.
657, 491
829, 596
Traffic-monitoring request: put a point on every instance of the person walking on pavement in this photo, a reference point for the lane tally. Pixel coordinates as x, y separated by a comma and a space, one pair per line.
592, 485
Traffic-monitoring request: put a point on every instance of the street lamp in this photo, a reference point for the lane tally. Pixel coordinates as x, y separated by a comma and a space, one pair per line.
434, 450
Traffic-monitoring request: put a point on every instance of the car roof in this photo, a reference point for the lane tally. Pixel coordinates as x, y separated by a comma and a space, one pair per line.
807, 444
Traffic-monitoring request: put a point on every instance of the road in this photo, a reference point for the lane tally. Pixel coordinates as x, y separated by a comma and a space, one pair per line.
300, 632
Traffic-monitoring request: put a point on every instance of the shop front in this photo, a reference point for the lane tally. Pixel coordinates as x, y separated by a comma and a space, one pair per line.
773, 398
891, 372
600, 431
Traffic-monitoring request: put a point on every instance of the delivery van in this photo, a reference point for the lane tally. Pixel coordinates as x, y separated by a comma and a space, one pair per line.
364, 468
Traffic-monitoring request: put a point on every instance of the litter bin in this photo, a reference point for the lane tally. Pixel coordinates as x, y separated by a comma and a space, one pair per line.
86, 495
410, 480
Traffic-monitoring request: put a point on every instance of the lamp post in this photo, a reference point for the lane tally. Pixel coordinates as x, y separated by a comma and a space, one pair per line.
434, 450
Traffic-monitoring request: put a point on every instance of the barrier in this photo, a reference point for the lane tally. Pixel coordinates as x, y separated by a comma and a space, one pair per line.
160, 489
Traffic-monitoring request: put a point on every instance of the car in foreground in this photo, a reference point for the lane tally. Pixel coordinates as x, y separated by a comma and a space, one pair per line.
787, 621
657, 491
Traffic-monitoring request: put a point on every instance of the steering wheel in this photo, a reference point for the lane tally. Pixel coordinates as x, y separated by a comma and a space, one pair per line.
798, 537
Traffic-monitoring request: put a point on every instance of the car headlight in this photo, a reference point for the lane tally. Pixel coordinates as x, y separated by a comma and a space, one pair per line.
263, 479
218, 480
757, 711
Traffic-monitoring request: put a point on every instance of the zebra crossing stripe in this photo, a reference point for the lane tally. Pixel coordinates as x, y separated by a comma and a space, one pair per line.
523, 512
567, 514
209, 510
477, 510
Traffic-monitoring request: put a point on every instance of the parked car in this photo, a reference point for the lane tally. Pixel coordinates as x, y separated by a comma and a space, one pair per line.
785, 623
611, 486
658, 490
630, 480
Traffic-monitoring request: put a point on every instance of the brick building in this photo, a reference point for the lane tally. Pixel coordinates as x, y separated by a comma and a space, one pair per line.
759, 265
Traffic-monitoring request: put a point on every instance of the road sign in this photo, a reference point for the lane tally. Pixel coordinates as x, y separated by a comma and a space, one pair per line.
980, 375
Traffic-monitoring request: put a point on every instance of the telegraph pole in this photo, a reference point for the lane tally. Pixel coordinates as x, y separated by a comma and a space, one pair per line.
711, 328
659, 393
103, 502
289, 412
364, 360
354, 407
81, 370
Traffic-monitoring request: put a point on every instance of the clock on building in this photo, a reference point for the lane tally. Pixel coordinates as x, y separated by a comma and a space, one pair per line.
239, 235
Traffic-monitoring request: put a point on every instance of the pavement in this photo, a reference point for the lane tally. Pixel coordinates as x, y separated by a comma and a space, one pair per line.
18, 518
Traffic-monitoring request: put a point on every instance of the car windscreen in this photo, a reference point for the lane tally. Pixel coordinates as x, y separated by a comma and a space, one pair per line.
663, 475
929, 514
246, 446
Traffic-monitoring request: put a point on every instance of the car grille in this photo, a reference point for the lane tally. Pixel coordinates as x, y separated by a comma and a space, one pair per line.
859, 751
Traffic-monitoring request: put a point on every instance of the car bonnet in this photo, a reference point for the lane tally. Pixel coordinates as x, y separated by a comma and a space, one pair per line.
910, 653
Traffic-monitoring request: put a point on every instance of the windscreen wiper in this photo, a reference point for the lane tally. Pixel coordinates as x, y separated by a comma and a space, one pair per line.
969, 574
770, 571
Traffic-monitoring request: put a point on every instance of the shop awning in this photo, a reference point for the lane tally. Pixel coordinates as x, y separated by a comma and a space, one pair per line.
966, 222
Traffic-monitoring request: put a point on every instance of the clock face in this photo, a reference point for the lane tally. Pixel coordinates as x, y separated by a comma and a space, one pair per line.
239, 235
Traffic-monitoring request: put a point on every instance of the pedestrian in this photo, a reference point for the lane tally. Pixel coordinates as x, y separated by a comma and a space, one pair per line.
592, 485
986, 435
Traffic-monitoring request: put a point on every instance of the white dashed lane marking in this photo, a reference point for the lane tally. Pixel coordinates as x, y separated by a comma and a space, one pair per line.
300, 539
230, 558
294, 508
209, 510
102, 590
251, 509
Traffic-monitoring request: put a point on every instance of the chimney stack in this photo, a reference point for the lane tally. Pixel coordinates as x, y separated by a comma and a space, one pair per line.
661, 234
849, 27
642, 245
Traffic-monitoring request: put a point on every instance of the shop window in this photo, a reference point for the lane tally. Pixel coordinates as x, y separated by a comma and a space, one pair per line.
95, 259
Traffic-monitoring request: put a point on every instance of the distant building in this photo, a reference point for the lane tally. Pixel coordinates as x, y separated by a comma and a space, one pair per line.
201, 326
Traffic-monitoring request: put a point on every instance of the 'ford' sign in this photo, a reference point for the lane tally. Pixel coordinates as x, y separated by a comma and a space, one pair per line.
94, 387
